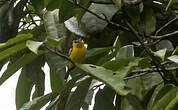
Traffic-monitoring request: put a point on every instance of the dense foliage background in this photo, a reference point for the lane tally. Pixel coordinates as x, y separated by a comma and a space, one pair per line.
131, 62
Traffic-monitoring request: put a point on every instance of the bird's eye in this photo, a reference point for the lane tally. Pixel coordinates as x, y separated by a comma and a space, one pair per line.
78, 41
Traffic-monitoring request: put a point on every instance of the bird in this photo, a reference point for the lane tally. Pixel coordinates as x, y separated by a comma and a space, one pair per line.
77, 54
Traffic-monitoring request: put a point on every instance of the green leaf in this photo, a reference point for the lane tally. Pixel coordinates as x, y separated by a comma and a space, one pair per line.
38, 4
158, 94
170, 3
106, 76
39, 102
94, 24
55, 42
165, 44
166, 99
119, 63
118, 3
134, 101
67, 10
18, 38
125, 52
161, 53
175, 51
74, 26
80, 93
57, 71
96, 51
174, 58
104, 99
148, 21
17, 65
54, 29
33, 45
6, 53
171, 105
23, 89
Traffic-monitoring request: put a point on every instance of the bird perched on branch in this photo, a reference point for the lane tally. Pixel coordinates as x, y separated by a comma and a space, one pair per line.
76, 54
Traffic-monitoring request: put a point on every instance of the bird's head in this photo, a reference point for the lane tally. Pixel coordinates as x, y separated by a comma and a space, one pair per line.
78, 43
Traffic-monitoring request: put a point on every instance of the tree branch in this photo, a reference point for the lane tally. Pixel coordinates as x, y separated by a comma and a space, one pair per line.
174, 19
102, 2
146, 71
99, 17
164, 36
155, 61
59, 54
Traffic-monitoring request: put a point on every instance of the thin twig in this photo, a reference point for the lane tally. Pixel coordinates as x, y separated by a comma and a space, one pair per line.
155, 61
146, 71
166, 25
59, 54
102, 2
99, 17
31, 16
165, 35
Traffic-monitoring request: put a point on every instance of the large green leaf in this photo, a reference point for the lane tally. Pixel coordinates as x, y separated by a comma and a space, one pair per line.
104, 99
39, 102
17, 65
80, 93
6, 53
105, 75
94, 24
125, 52
53, 28
74, 26
166, 99
119, 63
23, 89
159, 92
18, 38
96, 51
165, 44
148, 21
134, 101
57, 71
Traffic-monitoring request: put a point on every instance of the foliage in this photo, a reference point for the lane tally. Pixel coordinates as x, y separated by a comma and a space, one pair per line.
131, 61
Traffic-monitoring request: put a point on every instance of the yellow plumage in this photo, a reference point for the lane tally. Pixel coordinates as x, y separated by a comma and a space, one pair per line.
77, 54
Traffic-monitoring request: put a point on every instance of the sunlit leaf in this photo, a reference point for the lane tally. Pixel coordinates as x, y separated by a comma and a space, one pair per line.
161, 53
55, 42
33, 45
174, 58
105, 75
6, 53
38, 102
18, 38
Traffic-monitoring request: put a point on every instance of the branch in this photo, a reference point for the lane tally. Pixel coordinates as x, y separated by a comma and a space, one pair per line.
155, 61
102, 2
165, 35
59, 54
146, 71
174, 19
99, 17
31, 16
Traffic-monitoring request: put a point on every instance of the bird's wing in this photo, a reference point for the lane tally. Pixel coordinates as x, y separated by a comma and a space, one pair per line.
70, 50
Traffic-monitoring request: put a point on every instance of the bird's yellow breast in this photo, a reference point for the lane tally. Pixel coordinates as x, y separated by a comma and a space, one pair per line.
77, 55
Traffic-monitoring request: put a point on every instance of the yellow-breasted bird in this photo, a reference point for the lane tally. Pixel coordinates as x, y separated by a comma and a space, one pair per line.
77, 54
